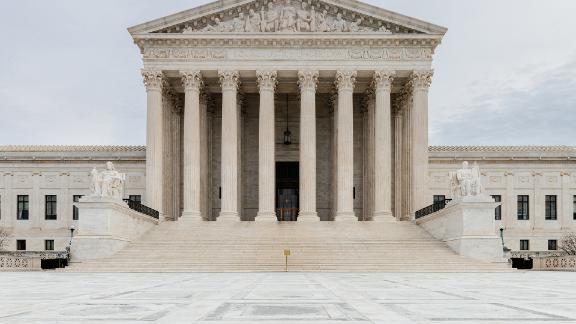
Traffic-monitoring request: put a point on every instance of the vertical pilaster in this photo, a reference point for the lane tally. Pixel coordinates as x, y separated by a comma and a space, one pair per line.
421, 81
192, 82
308, 80
537, 212
153, 80
383, 145
345, 80
266, 147
566, 202
229, 80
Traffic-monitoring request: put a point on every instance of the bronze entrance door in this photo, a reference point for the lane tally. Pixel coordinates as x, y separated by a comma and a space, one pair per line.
287, 185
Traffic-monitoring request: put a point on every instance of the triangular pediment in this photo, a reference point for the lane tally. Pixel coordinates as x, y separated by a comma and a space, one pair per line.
287, 16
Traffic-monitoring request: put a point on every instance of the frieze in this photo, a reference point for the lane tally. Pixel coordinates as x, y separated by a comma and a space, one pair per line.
385, 54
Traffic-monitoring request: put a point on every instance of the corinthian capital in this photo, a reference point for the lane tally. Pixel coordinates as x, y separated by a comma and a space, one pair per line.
383, 80
191, 80
345, 79
421, 79
308, 79
229, 79
266, 80
153, 79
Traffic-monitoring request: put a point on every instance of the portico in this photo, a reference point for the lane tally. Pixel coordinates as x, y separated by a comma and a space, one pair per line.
350, 85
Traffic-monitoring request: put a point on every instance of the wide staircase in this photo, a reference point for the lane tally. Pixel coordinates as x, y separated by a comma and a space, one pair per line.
259, 246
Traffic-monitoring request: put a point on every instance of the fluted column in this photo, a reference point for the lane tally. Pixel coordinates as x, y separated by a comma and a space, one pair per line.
307, 80
345, 80
266, 151
229, 80
382, 145
192, 82
398, 161
153, 80
421, 81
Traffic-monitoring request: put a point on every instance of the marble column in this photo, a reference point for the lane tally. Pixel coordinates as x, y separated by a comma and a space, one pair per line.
382, 145
229, 80
308, 80
153, 80
266, 147
419, 128
192, 82
345, 80
398, 157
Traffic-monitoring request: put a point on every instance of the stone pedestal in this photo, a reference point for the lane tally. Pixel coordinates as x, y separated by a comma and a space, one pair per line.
468, 227
106, 225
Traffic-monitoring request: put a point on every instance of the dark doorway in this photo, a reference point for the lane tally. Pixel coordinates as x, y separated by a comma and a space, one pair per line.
287, 185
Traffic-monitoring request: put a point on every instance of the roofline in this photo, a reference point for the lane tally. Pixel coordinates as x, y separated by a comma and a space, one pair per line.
142, 148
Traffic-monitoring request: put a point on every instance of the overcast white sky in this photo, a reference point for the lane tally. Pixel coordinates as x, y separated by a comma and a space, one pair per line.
505, 73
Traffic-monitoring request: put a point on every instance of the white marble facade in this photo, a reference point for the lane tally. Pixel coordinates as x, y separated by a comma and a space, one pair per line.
506, 171
223, 82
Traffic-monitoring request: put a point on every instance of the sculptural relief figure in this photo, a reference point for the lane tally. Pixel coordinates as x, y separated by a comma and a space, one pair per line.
253, 22
238, 23
217, 27
313, 26
303, 20
108, 183
339, 24
322, 21
272, 19
466, 181
355, 26
288, 18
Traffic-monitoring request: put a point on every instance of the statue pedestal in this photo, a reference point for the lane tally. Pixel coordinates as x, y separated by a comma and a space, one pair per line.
468, 227
105, 226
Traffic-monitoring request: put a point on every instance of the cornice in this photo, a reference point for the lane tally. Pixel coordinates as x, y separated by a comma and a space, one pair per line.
72, 148
510, 149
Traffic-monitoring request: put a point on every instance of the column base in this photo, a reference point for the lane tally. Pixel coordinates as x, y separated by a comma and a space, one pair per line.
308, 217
228, 217
382, 216
266, 216
191, 215
345, 217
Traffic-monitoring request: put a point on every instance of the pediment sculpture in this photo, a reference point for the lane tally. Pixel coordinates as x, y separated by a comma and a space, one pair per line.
108, 183
287, 17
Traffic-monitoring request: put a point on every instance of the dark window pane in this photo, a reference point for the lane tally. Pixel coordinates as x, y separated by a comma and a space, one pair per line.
49, 245
497, 210
550, 207
75, 213
137, 198
50, 207
21, 245
523, 207
552, 245
22, 207
524, 245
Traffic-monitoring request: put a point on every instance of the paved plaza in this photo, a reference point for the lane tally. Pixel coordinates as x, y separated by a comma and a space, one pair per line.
520, 297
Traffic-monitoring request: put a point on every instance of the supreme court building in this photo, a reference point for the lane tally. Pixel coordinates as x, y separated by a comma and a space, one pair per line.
314, 109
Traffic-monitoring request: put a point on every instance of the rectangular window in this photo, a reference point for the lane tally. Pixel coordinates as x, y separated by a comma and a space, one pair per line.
439, 199
137, 198
49, 245
552, 245
524, 245
550, 204
22, 207
75, 198
21, 245
574, 207
498, 210
50, 207
523, 207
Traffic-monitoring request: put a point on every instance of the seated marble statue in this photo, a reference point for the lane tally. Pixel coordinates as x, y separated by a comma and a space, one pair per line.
466, 182
107, 183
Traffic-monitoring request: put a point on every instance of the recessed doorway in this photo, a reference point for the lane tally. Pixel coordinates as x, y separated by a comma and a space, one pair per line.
287, 186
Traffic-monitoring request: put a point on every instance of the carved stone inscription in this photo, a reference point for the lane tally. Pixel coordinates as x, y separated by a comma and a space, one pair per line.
386, 54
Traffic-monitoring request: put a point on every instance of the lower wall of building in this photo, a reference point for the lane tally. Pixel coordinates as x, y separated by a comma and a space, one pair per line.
507, 174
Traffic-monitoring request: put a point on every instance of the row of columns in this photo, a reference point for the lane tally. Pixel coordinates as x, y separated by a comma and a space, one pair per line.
307, 81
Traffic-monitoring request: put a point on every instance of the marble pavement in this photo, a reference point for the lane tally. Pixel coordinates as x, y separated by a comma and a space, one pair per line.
520, 297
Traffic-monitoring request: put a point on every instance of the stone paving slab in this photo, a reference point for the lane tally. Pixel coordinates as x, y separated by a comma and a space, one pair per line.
214, 298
